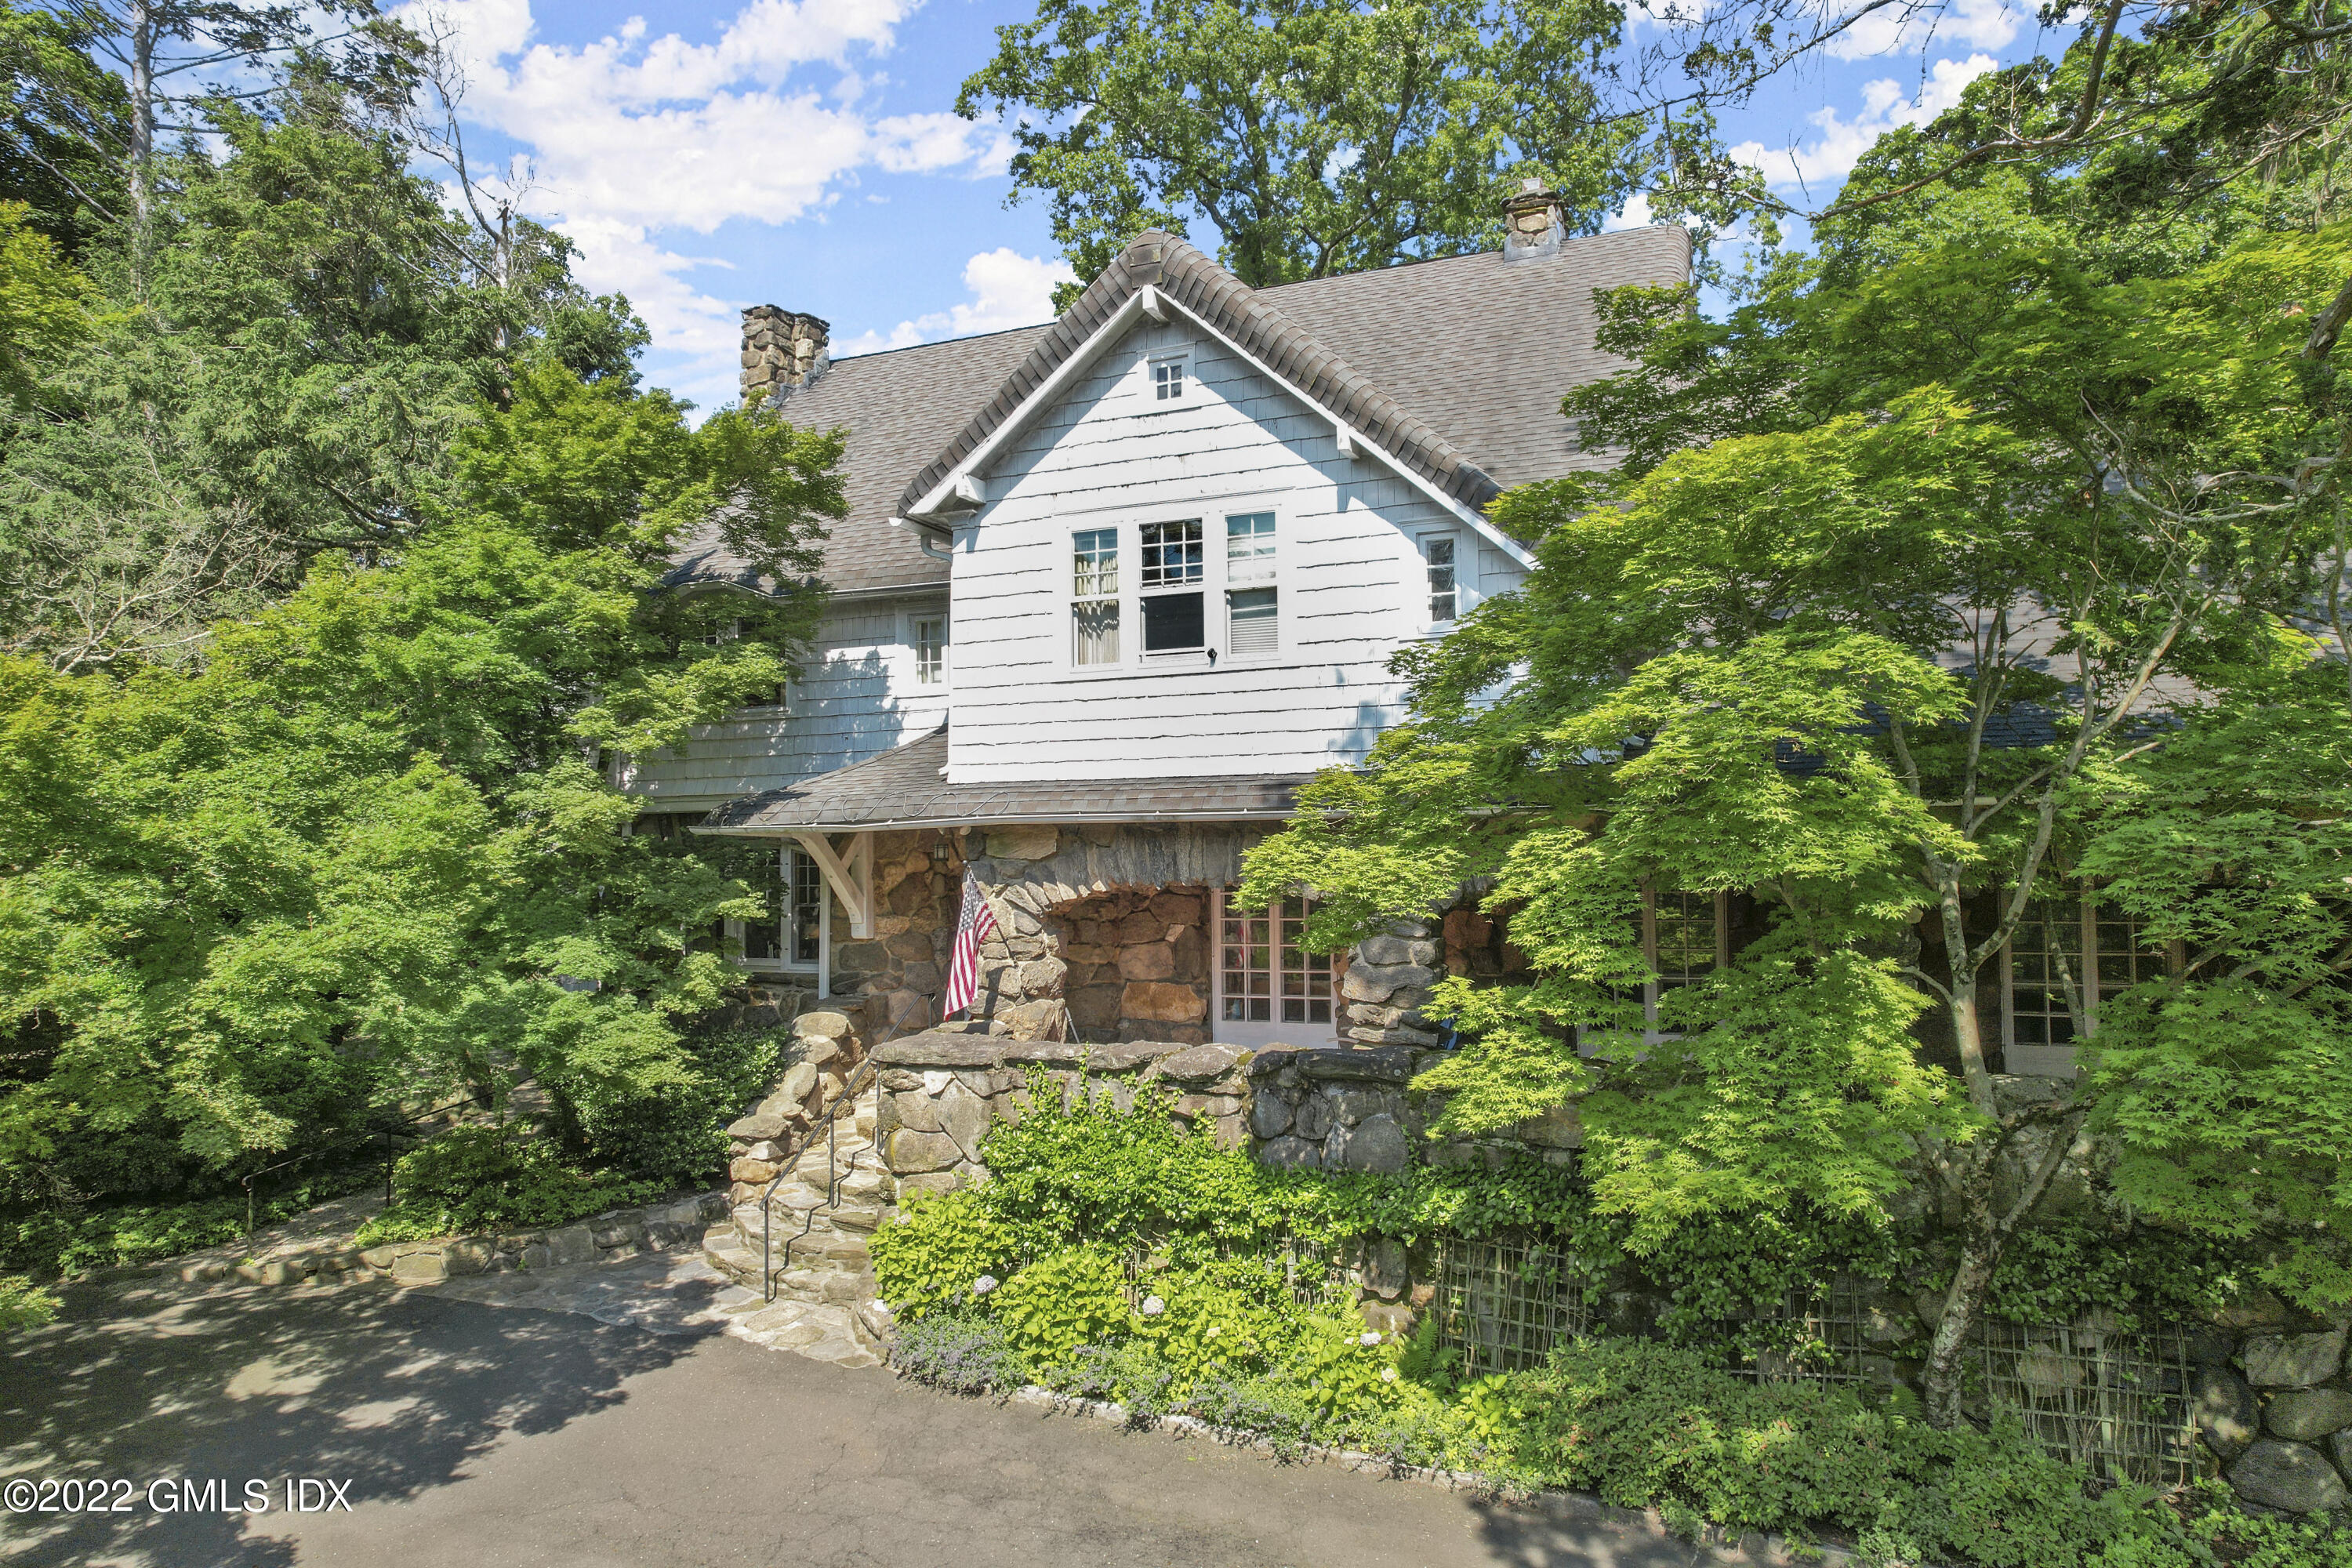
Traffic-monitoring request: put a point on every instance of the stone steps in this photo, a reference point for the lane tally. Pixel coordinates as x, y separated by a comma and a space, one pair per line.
833, 1197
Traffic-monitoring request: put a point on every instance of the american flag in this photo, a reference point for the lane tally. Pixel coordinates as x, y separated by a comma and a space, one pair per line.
974, 926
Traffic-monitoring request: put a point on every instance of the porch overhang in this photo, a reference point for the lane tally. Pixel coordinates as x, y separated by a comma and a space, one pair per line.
902, 789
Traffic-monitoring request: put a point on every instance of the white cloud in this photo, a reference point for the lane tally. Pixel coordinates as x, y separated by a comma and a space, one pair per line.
1635, 216
1907, 25
632, 134
1830, 156
1008, 290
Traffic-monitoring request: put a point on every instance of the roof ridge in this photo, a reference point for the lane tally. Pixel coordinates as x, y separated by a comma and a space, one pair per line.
1156, 259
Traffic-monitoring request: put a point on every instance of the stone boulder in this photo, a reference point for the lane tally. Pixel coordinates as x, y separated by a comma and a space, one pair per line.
1375, 1143
2293, 1361
2301, 1415
2292, 1476
2227, 1416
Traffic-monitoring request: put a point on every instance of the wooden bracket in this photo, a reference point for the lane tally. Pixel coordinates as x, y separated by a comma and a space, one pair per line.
850, 875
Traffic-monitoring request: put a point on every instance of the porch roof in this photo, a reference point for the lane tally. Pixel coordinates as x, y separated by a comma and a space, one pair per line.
903, 788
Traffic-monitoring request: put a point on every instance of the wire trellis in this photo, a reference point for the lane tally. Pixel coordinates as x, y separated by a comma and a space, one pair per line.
1505, 1304
2115, 1402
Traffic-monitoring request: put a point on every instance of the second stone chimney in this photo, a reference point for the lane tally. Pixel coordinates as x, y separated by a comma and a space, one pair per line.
1533, 223
781, 351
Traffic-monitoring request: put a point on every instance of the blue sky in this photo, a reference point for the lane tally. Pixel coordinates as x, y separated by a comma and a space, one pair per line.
710, 154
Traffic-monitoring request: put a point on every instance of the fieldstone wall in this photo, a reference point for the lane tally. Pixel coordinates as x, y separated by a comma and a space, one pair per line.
889, 983
2275, 1407
942, 1091
824, 1049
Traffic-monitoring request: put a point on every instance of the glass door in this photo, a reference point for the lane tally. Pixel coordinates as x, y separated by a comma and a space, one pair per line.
1271, 991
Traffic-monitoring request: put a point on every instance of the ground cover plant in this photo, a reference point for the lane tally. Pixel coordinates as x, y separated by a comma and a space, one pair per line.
1115, 1255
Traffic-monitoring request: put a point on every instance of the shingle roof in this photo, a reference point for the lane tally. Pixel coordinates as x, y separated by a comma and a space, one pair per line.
898, 407
1253, 319
902, 788
1459, 362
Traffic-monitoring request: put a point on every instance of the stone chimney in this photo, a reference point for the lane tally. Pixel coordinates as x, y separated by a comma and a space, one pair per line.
1533, 225
781, 351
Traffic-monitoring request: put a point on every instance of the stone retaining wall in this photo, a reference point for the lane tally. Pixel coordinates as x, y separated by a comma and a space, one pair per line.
620, 1233
2268, 1390
941, 1091
824, 1051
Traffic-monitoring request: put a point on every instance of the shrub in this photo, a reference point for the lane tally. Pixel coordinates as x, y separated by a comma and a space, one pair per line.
676, 1132
491, 1178
1075, 1297
941, 1245
47, 1244
23, 1304
1647, 1424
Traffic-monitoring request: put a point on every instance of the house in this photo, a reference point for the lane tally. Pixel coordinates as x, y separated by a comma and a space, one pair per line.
1109, 590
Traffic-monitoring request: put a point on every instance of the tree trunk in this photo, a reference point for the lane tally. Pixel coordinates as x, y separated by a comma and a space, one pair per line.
143, 143
1979, 1254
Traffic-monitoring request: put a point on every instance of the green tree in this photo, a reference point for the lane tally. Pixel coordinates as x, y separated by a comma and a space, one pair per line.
1322, 137
367, 849
65, 128
313, 336
1913, 566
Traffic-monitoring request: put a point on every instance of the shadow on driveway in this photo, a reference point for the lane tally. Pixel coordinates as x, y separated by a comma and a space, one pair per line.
392, 1393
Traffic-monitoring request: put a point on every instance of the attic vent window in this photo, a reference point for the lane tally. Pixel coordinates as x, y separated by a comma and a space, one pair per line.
1168, 379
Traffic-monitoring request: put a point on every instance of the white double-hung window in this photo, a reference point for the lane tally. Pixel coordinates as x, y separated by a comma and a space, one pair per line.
1094, 596
929, 636
1173, 587
1252, 608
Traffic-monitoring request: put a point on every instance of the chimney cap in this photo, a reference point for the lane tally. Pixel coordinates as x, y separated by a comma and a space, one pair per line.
1534, 222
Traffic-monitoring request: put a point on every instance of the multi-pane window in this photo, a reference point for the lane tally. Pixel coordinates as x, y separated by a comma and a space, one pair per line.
2064, 947
806, 913
1266, 976
1168, 379
1173, 570
1685, 936
1251, 612
1094, 596
930, 639
1249, 548
789, 935
1437, 556
2045, 964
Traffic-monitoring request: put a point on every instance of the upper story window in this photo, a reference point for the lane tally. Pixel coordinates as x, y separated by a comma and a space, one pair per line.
1174, 568
1444, 596
930, 640
1252, 610
1168, 378
1094, 596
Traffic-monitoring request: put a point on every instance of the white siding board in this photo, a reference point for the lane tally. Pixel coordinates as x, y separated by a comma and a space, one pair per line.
1349, 574
856, 696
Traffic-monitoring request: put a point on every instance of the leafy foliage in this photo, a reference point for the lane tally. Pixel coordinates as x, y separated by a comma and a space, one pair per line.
24, 1305
1316, 139
474, 1179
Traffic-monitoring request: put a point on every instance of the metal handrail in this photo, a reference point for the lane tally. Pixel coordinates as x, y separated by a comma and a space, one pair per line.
831, 1122
386, 1130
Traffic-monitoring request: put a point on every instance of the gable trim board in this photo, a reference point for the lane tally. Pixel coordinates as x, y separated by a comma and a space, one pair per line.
1366, 422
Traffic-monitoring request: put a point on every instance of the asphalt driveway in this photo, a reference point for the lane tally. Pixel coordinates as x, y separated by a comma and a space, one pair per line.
481, 1435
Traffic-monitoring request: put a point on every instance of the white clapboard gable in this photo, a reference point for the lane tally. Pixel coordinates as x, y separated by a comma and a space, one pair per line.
1288, 687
